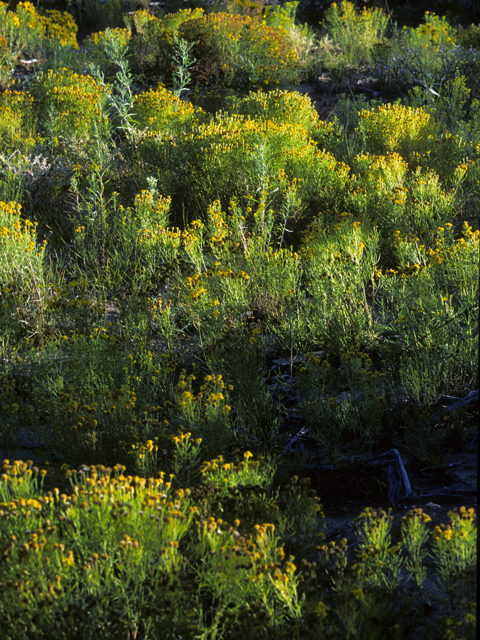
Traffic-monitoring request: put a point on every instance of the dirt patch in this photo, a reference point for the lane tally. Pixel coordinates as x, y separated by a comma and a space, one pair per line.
324, 102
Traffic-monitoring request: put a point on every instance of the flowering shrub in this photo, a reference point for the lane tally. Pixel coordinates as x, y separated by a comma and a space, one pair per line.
21, 259
435, 31
173, 21
160, 111
133, 542
342, 257
217, 283
428, 60
282, 107
244, 52
97, 44
226, 474
396, 128
17, 121
72, 105
205, 411
22, 271
259, 162
265, 59
26, 31
385, 191
354, 35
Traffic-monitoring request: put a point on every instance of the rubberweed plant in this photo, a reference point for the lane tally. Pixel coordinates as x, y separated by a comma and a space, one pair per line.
21, 256
27, 32
126, 555
17, 123
380, 561
96, 45
229, 581
398, 200
435, 302
102, 542
301, 519
241, 52
205, 413
353, 34
340, 262
186, 459
414, 537
395, 128
72, 112
161, 112
426, 59
455, 545
90, 392
91, 239
145, 456
230, 474
22, 276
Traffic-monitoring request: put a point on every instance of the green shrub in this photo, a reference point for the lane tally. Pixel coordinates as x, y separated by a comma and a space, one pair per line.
72, 106
395, 128
161, 112
282, 107
242, 52
21, 260
353, 34
17, 121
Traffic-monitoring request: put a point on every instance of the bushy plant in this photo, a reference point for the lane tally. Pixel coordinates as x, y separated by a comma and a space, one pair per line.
400, 201
153, 46
282, 107
427, 62
395, 128
254, 161
23, 278
96, 47
340, 263
354, 36
160, 111
344, 407
301, 36
216, 281
107, 551
18, 121
430, 312
72, 107
21, 256
27, 31
243, 52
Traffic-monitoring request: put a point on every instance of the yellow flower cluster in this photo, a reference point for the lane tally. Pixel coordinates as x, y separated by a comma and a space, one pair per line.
210, 400
160, 108
396, 128
19, 253
27, 30
229, 474
100, 37
77, 100
435, 32
173, 21
454, 259
244, 49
